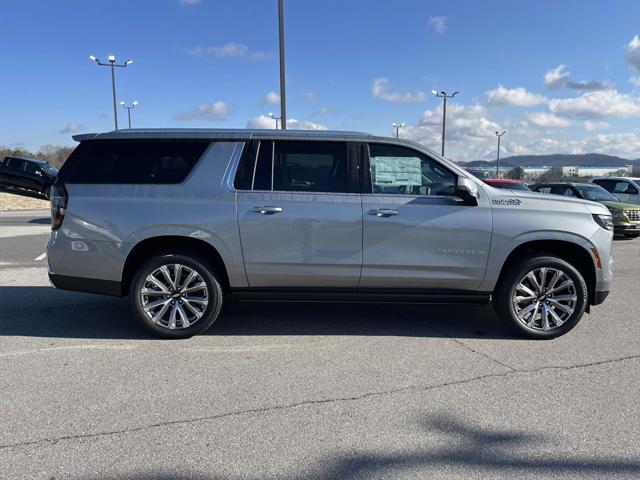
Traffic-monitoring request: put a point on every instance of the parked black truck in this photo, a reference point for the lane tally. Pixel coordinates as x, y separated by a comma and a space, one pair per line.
27, 174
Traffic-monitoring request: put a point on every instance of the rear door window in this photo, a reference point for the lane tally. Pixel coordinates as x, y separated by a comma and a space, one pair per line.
145, 162
297, 166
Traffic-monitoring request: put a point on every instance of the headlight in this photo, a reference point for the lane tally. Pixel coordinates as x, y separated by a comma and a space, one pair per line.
616, 214
605, 221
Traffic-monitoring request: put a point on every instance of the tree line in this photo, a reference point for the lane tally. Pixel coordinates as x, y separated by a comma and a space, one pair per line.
56, 155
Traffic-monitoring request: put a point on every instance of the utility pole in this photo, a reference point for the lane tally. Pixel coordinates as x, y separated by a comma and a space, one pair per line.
398, 126
283, 95
444, 96
275, 118
129, 108
499, 135
112, 64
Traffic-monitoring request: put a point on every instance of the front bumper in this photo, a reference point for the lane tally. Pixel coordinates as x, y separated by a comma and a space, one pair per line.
626, 228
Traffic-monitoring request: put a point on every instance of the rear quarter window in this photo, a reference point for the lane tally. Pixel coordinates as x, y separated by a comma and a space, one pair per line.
143, 162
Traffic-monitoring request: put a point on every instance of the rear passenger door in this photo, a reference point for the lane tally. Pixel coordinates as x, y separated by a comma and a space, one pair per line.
300, 214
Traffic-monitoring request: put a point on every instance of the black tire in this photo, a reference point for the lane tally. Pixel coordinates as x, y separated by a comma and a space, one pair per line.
632, 235
204, 269
504, 292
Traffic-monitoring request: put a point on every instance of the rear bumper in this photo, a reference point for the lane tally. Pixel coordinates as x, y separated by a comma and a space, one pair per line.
87, 285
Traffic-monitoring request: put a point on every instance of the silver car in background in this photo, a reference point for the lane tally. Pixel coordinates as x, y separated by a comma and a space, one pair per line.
182, 220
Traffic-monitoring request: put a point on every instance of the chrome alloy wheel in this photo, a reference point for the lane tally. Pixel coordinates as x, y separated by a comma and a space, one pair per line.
544, 298
174, 296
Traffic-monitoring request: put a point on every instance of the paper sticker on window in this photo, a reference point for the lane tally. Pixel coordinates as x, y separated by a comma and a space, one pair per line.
397, 171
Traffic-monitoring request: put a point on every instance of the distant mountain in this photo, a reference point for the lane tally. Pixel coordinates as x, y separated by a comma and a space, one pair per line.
557, 160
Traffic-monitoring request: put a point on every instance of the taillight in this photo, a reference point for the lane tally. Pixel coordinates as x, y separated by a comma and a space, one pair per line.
59, 199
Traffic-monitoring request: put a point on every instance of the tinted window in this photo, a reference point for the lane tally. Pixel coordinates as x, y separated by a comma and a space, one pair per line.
298, 167
543, 189
402, 171
566, 191
31, 167
595, 193
310, 167
15, 163
606, 184
137, 161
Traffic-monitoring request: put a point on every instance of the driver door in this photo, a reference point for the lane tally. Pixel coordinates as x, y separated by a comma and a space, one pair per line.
416, 233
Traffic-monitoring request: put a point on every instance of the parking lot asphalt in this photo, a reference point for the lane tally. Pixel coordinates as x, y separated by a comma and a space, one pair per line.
313, 391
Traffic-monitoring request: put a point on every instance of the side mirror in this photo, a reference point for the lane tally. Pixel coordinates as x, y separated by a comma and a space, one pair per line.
467, 190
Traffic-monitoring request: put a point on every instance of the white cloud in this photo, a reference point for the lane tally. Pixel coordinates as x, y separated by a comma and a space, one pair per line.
439, 24
310, 96
624, 145
304, 125
321, 111
189, 3
597, 104
214, 111
380, 90
545, 119
271, 97
72, 127
517, 97
591, 126
558, 78
632, 52
266, 122
230, 50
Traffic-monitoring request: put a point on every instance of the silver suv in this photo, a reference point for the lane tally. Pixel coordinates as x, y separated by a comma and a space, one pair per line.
181, 220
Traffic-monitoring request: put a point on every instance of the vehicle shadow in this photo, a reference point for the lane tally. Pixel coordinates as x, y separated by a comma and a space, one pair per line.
47, 312
447, 444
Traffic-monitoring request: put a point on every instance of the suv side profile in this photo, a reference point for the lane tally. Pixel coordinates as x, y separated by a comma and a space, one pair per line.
28, 174
183, 220
627, 189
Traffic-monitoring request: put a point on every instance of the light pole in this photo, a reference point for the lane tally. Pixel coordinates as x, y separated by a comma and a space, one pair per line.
275, 118
129, 108
499, 135
398, 126
112, 63
283, 95
444, 96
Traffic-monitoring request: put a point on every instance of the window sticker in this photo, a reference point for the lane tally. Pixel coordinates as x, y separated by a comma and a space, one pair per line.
397, 171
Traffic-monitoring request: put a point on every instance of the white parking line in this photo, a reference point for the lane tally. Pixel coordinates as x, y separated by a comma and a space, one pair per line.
40, 257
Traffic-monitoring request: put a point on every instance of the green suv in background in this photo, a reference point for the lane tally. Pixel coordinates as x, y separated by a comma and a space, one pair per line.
626, 216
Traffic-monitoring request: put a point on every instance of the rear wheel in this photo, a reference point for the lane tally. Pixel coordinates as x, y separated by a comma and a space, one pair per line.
176, 295
542, 297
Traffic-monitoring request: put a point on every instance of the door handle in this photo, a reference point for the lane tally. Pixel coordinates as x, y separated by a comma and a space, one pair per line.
383, 212
267, 210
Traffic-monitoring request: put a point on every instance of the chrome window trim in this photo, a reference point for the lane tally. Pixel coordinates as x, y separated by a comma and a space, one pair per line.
232, 167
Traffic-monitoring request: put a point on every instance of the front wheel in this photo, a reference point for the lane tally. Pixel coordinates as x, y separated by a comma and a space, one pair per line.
542, 297
176, 295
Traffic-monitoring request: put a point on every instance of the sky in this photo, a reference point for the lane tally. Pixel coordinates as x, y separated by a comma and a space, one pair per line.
557, 76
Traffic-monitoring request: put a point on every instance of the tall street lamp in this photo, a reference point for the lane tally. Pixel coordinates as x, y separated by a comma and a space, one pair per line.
444, 96
112, 63
283, 95
129, 108
499, 135
398, 126
271, 115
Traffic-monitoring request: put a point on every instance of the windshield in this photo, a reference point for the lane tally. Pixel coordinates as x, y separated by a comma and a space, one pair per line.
595, 193
49, 169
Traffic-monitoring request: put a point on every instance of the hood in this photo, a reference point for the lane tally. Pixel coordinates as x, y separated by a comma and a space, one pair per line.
592, 207
621, 205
